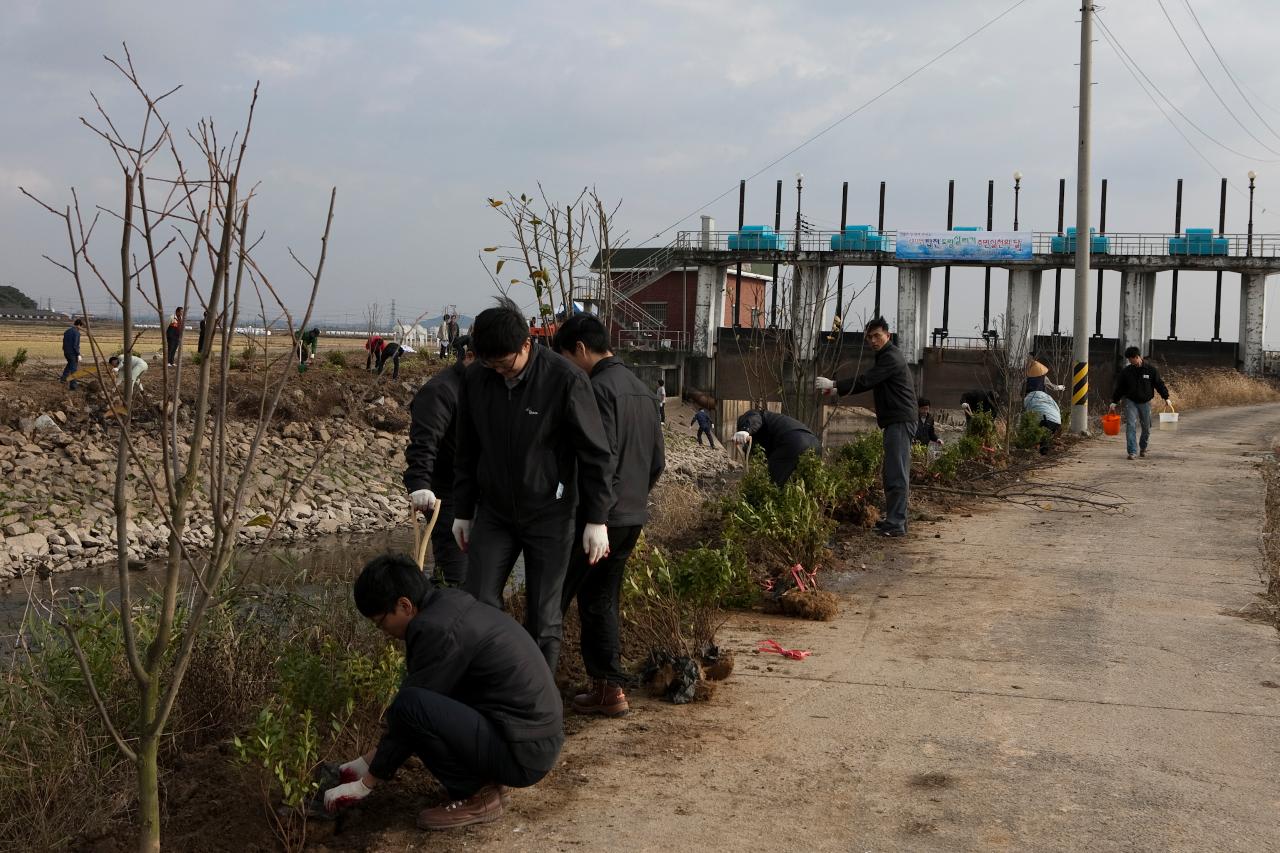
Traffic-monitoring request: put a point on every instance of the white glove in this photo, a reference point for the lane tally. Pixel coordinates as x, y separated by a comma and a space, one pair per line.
353, 770
345, 795
742, 438
595, 542
423, 499
462, 532
1053, 387
823, 385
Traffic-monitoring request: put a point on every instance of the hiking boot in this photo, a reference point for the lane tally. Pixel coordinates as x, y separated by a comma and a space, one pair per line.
1143, 453
483, 806
1131, 456
881, 524
603, 698
892, 532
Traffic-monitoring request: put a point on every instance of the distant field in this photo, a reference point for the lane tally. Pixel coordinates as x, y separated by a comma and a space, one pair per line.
44, 342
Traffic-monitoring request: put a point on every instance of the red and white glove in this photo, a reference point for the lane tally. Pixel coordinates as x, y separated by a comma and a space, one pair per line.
345, 795
826, 386
353, 770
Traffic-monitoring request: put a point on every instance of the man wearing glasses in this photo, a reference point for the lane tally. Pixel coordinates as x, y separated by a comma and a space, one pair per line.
531, 450
889, 380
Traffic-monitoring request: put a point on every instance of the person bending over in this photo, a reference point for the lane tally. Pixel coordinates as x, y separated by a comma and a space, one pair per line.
477, 706
783, 440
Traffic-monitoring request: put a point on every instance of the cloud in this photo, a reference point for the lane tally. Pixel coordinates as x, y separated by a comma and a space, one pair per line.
301, 56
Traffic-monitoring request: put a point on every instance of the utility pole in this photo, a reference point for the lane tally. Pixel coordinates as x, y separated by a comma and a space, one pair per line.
1080, 332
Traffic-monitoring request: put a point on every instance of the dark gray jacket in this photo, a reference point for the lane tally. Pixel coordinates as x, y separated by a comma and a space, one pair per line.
432, 443
889, 381
517, 445
477, 655
1139, 383
777, 433
634, 432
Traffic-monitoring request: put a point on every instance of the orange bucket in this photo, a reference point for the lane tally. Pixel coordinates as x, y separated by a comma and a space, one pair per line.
1111, 423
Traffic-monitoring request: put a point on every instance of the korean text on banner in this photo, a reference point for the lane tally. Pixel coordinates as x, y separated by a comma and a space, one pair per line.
963, 245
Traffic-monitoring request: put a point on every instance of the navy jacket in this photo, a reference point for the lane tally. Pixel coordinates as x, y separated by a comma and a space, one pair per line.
634, 432
702, 419
516, 446
71, 343
889, 381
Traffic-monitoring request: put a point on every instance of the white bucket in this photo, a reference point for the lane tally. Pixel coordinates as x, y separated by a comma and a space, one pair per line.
1168, 420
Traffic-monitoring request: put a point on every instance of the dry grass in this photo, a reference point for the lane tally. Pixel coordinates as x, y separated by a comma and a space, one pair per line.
44, 341
678, 511
1207, 389
1271, 531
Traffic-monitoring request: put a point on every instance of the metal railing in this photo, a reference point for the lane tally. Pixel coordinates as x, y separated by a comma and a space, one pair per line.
1117, 243
632, 281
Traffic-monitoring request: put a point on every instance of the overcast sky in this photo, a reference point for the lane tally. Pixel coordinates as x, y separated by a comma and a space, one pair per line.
419, 111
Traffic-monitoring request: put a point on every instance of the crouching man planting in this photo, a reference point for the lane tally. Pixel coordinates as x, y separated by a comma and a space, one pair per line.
478, 705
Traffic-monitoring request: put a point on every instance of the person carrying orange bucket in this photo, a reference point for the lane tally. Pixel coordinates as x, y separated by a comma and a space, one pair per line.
1136, 384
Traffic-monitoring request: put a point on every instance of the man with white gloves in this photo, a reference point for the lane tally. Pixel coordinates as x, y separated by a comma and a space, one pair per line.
475, 706
428, 474
889, 380
783, 439
633, 428
531, 450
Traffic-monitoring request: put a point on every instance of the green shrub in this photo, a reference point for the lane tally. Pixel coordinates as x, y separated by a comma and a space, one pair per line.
9, 366
336, 358
1028, 433
777, 528
982, 426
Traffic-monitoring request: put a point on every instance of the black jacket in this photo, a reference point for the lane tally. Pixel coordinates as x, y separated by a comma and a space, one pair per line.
481, 657
889, 381
1139, 382
773, 431
517, 445
925, 430
71, 343
634, 432
432, 443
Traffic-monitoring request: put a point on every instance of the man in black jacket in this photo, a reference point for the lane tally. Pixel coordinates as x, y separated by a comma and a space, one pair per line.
783, 439
889, 380
634, 433
1136, 384
926, 432
531, 448
476, 704
428, 474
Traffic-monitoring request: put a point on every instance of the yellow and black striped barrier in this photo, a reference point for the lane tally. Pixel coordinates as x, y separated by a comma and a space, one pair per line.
1080, 385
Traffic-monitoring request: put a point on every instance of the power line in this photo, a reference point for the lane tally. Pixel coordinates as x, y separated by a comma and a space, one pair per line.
1126, 60
845, 117
1114, 40
1230, 76
1209, 82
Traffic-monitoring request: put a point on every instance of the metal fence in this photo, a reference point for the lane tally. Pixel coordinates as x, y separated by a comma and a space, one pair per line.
1117, 243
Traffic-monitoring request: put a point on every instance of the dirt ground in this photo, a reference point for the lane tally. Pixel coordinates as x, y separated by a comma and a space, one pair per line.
1010, 679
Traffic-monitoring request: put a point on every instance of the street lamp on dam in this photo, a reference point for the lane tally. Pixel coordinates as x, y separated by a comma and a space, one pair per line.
799, 189
1017, 190
1249, 249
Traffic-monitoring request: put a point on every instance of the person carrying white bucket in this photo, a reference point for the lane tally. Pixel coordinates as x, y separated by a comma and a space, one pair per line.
1136, 384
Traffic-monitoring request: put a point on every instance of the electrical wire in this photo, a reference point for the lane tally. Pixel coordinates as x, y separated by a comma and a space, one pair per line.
1126, 60
1114, 40
1209, 82
846, 116
1227, 70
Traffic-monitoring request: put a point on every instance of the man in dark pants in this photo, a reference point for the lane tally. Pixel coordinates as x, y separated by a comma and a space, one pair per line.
428, 474
380, 352
705, 426
926, 432
634, 434
476, 704
531, 448
173, 337
1137, 384
783, 439
71, 351
889, 380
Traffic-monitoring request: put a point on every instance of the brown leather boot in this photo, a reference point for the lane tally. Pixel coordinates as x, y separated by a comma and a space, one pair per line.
483, 806
603, 698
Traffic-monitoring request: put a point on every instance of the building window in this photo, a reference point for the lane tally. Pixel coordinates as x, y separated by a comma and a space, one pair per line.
656, 310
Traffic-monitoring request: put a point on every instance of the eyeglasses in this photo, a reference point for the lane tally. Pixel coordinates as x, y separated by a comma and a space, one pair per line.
506, 363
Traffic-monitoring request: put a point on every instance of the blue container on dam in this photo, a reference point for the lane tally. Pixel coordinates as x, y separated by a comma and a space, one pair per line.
1066, 244
756, 238
858, 238
1198, 241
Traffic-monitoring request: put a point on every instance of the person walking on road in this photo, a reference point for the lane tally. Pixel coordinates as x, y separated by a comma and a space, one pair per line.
889, 381
661, 395
531, 449
476, 705
71, 351
173, 338
1136, 384
428, 474
705, 426
634, 433
783, 440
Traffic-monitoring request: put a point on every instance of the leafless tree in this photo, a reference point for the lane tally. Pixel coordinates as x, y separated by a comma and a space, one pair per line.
372, 318
206, 217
